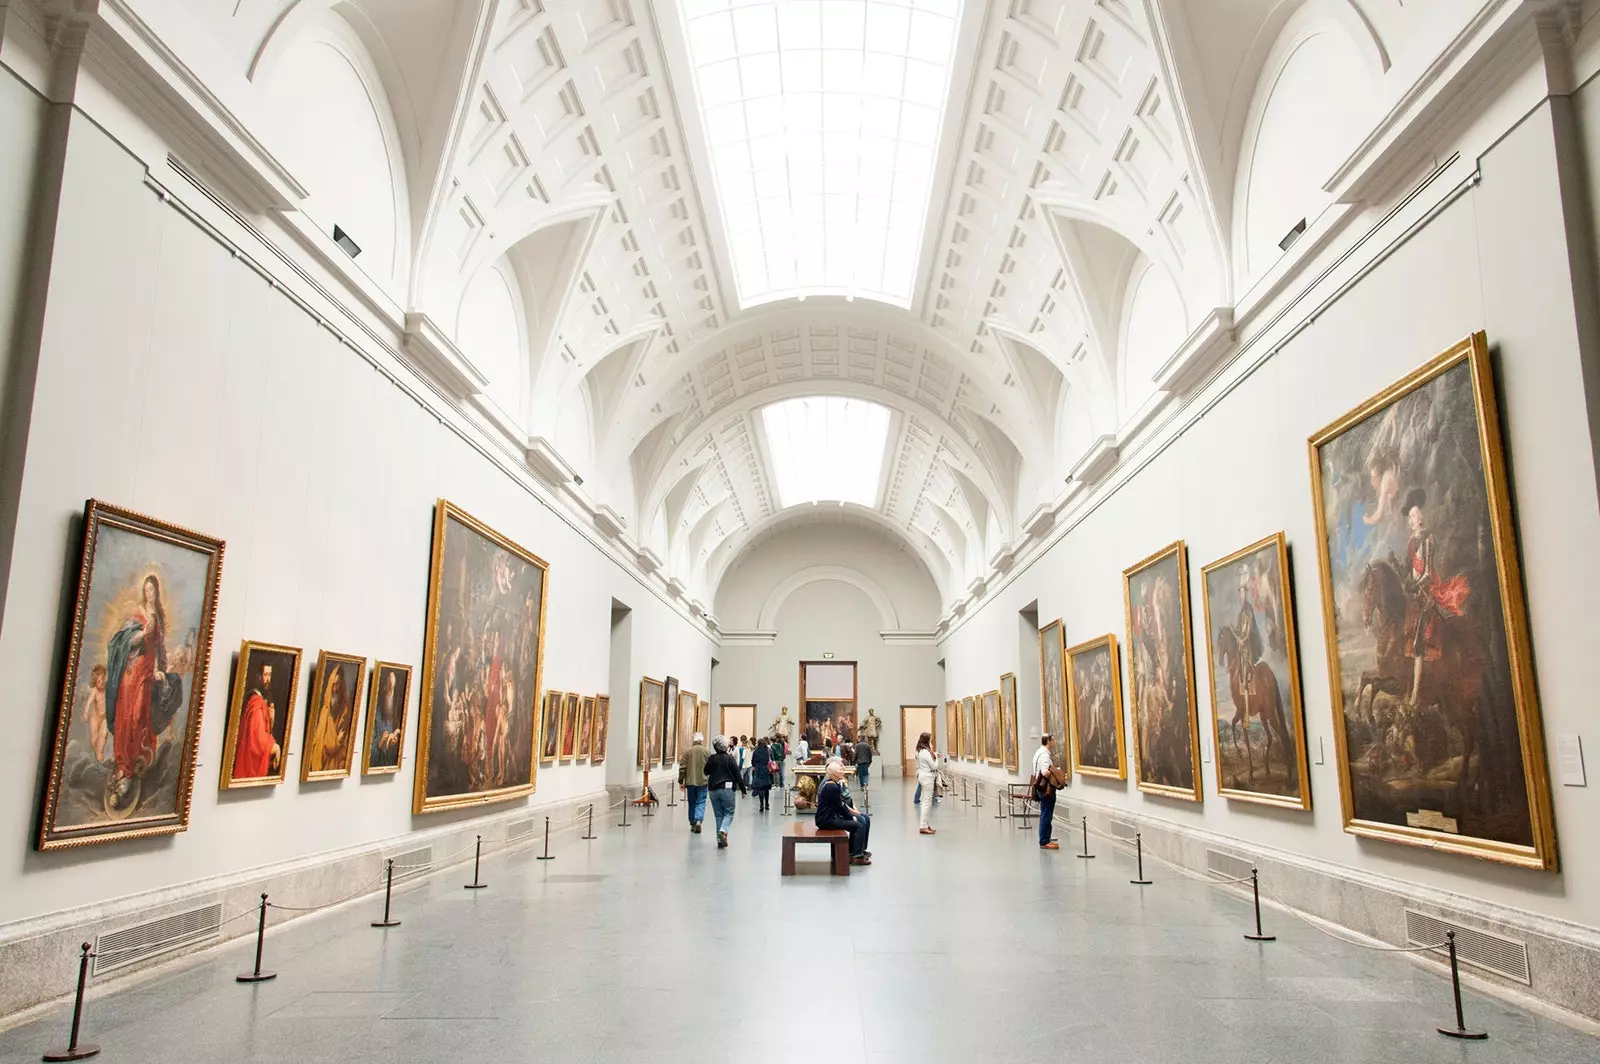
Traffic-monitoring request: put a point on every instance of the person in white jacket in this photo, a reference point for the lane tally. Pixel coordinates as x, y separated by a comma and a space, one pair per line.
927, 770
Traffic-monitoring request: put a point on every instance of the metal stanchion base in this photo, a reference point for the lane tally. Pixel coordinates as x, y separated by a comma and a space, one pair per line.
1140, 882
588, 836
386, 923
85, 1049
474, 886
545, 857
1262, 938
1448, 1032
1086, 856
247, 977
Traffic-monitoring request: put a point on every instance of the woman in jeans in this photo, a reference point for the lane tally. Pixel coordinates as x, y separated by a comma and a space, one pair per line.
927, 770
761, 774
722, 777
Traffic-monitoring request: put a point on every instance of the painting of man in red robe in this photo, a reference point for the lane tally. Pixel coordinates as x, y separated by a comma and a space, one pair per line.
254, 752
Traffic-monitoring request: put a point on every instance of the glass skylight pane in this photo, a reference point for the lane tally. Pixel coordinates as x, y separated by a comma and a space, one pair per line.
826, 449
834, 108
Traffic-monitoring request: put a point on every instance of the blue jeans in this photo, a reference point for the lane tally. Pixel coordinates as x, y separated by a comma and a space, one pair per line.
696, 802
722, 805
1047, 818
862, 772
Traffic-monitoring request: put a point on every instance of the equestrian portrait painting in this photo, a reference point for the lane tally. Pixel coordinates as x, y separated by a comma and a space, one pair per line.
1436, 714
1255, 676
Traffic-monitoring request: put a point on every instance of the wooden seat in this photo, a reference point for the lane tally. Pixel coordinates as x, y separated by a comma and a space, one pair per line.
800, 832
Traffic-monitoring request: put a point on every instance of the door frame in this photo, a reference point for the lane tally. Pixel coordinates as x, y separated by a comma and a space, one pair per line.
908, 766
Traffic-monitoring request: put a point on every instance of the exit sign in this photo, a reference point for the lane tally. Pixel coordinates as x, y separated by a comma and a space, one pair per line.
828, 655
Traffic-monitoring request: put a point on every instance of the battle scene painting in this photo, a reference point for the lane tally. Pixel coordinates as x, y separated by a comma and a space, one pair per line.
1094, 707
482, 666
122, 763
1255, 676
1053, 693
1161, 674
1436, 713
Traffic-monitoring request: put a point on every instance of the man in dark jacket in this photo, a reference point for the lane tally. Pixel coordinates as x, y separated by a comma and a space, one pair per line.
833, 811
692, 777
722, 778
863, 762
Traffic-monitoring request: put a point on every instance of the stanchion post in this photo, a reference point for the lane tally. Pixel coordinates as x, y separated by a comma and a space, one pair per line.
1138, 849
546, 856
477, 854
1086, 855
625, 804
589, 831
1460, 1029
73, 1049
256, 975
977, 796
672, 797
963, 788
1255, 891
388, 892
788, 808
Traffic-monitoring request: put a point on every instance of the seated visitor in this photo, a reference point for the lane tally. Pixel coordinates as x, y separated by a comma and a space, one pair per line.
834, 811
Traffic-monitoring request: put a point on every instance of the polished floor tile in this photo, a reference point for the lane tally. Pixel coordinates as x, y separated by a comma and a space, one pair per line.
649, 943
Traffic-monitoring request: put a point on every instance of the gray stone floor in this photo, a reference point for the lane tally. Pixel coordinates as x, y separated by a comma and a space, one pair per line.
650, 945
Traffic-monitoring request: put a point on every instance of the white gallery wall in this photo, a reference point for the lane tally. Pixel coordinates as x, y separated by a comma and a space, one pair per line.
176, 381
1496, 258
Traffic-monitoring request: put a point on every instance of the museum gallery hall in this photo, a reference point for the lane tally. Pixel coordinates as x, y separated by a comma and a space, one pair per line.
865, 531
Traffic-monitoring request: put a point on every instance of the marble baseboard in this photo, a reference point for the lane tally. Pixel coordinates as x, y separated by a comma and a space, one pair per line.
1563, 957
39, 957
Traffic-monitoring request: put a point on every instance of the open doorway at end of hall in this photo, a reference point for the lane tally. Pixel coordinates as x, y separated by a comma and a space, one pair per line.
914, 720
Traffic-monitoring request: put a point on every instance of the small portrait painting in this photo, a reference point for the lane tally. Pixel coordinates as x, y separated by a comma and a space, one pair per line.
386, 718
128, 723
569, 726
330, 740
1094, 708
550, 727
1053, 693
257, 740
585, 727
602, 729
1161, 674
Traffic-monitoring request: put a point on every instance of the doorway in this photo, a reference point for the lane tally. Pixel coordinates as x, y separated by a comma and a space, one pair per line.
914, 720
738, 720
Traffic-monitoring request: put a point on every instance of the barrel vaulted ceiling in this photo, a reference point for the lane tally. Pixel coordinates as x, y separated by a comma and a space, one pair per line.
1085, 147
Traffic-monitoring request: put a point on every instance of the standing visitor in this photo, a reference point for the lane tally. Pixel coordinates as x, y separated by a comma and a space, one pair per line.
761, 774
739, 744
692, 777
802, 751
1044, 781
722, 778
834, 811
780, 750
863, 762
927, 771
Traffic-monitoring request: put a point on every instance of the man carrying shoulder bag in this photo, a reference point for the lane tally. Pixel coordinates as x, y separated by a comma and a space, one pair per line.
1044, 783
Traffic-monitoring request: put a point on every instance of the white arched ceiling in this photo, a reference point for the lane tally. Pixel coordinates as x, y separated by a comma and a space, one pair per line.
490, 330
1154, 325
887, 617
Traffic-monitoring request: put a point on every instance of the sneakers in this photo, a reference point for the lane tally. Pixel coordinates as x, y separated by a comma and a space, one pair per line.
695, 828
863, 859
722, 840
927, 831
1051, 845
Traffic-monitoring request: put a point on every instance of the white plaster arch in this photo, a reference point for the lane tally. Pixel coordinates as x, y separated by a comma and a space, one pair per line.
770, 609
1155, 323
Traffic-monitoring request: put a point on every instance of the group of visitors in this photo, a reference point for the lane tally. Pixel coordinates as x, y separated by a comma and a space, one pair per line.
732, 766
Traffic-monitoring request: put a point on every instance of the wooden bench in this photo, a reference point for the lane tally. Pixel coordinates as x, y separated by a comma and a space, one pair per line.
795, 834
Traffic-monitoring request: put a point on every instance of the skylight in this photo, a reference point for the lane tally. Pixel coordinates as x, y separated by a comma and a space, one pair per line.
822, 118
826, 449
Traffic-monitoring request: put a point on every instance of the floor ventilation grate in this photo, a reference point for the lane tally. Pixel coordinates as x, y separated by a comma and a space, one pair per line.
1230, 865
1493, 953
520, 829
413, 862
118, 949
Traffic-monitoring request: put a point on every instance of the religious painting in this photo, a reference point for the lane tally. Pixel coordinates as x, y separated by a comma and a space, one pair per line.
585, 727
550, 727
991, 727
1008, 723
386, 718
257, 738
702, 717
1094, 709
969, 730
128, 724
482, 667
687, 701
652, 695
826, 724
570, 707
952, 729
1161, 674
330, 738
1053, 693
1255, 676
1436, 715
602, 729
669, 717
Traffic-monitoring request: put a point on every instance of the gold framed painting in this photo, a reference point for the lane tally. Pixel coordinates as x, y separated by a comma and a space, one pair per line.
255, 746
687, 701
550, 727
669, 719
571, 704
585, 727
330, 739
1254, 667
602, 729
969, 729
478, 728
652, 697
1436, 715
952, 730
127, 726
991, 727
384, 742
1009, 755
1053, 693
1166, 742
1094, 708
702, 717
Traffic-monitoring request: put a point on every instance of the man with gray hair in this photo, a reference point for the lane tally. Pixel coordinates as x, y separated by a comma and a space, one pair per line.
692, 778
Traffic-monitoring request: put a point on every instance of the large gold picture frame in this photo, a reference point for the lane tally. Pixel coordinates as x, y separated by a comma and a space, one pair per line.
1094, 708
550, 727
482, 586
383, 743
652, 697
952, 729
1436, 714
142, 619
1254, 670
571, 708
1166, 741
255, 747
969, 729
1011, 756
586, 728
992, 738
1053, 693
602, 729
688, 702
